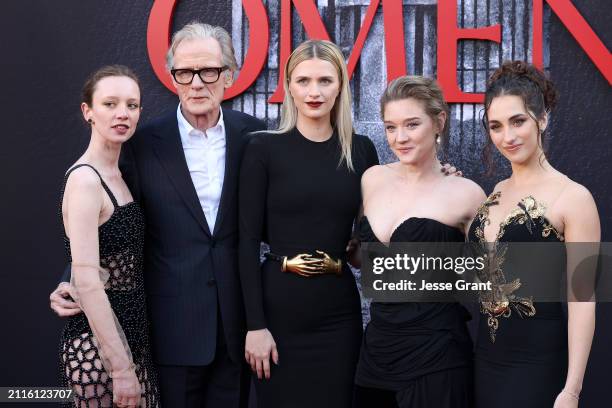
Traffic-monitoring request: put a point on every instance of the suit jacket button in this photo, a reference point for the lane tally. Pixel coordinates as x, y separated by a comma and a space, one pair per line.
213, 243
211, 282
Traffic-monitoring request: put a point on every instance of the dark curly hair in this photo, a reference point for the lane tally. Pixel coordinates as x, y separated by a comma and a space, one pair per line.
524, 80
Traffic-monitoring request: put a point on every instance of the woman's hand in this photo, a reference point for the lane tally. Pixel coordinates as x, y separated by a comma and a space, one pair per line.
566, 399
61, 302
450, 170
126, 388
258, 348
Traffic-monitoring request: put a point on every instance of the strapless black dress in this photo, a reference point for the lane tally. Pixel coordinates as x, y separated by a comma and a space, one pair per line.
415, 354
521, 353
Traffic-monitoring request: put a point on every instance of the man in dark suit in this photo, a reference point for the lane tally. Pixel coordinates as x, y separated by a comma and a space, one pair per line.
183, 169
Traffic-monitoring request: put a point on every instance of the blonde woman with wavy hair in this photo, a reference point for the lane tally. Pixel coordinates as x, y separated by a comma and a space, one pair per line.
299, 192
416, 354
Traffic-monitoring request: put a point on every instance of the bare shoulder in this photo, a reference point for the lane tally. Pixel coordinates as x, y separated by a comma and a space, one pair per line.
500, 185
466, 189
83, 177
373, 180
578, 192
372, 174
84, 183
575, 195
466, 184
579, 213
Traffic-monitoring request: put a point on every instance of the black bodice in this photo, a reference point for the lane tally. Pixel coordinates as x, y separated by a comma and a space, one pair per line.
527, 223
521, 345
404, 341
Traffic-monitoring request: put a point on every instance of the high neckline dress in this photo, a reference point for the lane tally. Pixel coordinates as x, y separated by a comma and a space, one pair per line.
296, 196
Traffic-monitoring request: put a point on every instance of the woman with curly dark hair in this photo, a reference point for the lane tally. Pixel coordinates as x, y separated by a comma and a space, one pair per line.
528, 353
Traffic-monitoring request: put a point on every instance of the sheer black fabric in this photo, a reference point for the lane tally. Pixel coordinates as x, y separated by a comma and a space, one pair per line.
121, 241
521, 355
296, 196
420, 351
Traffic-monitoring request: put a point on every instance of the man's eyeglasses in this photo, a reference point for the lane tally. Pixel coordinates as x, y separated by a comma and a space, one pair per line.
208, 75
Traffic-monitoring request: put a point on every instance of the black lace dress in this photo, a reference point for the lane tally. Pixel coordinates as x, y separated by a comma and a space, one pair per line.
415, 354
121, 254
521, 346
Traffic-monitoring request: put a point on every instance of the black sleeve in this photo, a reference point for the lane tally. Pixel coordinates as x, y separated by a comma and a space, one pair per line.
371, 153
364, 154
251, 211
368, 157
129, 172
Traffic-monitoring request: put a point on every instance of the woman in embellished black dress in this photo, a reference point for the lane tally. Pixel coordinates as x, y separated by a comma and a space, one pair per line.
300, 193
104, 352
529, 354
415, 355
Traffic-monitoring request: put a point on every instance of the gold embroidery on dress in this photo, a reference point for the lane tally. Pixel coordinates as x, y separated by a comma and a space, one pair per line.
483, 214
548, 228
501, 300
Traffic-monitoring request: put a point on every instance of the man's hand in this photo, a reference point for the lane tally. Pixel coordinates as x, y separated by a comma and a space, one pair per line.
61, 303
450, 170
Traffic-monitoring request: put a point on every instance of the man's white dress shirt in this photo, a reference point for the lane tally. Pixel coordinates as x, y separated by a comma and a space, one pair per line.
205, 154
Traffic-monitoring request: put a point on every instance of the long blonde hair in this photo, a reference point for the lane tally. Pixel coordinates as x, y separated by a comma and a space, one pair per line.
341, 118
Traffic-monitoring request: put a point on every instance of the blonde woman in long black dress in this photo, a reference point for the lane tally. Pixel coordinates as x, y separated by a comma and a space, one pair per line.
300, 193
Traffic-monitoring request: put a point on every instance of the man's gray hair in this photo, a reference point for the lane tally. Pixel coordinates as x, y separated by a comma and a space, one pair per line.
197, 30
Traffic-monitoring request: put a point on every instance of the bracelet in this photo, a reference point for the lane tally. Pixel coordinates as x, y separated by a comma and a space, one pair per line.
574, 395
85, 265
284, 264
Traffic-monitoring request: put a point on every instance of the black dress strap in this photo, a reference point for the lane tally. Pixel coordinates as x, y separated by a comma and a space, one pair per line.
104, 185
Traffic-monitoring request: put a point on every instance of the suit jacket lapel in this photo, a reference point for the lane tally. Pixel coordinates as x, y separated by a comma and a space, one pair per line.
233, 135
169, 150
